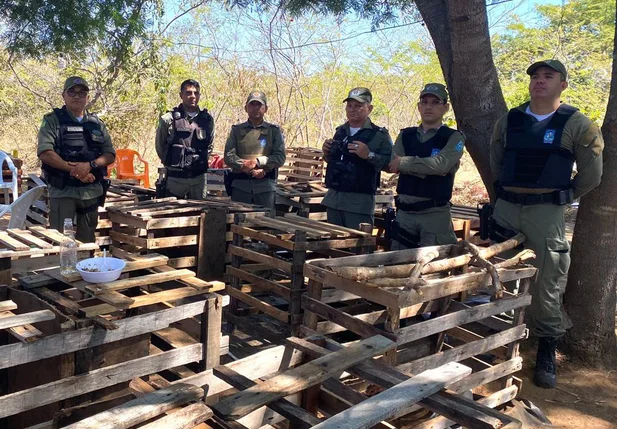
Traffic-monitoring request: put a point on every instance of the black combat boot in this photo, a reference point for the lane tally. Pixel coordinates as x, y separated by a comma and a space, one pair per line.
545, 374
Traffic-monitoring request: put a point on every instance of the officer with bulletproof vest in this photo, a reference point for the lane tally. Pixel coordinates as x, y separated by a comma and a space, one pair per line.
533, 149
255, 149
427, 158
183, 141
355, 155
75, 150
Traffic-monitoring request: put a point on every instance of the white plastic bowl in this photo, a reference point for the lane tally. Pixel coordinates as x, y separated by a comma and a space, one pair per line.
113, 268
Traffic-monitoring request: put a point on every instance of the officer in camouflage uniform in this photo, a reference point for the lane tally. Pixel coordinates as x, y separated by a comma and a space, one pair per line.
75, 149
356, 154
255, 149
427, 158
533, 149
183, 141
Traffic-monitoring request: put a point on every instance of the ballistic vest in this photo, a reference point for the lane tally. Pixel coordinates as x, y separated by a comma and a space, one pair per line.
436, 187
534, 157
189, 142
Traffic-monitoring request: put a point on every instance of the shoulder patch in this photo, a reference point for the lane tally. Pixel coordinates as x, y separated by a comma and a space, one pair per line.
459, 146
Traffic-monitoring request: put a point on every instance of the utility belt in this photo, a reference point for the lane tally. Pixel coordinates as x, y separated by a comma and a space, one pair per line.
489, 228
183, 174
420, 205
230, 176
407, 239
560, 198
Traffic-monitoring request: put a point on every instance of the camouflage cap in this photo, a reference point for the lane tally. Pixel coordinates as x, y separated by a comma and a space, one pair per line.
436, 89
361, 94
257, 96
553, 64
74, 81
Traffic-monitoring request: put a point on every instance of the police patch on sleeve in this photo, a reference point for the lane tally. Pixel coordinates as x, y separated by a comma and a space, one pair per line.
43, 123
459, 146
434, 153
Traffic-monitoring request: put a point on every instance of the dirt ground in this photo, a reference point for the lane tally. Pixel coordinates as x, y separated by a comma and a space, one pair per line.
584, 398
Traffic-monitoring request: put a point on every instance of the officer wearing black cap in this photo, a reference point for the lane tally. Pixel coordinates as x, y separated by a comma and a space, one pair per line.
356, 154
255, 149
183, 141
533, 151
75, 149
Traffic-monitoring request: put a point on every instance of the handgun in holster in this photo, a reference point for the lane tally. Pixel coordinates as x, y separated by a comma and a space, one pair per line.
161, 183
389, 218
106, 183
485, 211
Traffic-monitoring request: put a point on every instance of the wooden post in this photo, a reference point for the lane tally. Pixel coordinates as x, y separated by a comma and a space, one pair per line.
392, 325
297, 282
236, 261
366, 227
519, 318
212, 245
6, 276
211, 320
314, 291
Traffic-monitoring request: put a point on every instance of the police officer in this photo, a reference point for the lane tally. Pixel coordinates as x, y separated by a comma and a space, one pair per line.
183, 141
533, 149
75, 149
356, 154
427, 158
254, 150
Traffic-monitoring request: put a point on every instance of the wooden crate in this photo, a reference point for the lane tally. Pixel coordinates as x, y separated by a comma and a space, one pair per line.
180, 229
33, 248
160, 322
142, 194
117, 198
303, 164
305, 199
428, 317
280, 246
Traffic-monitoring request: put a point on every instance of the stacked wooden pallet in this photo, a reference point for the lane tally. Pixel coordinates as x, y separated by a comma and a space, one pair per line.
305, 199
419, 299
280, 246
303, 164
117, 198
157, 325
192, 233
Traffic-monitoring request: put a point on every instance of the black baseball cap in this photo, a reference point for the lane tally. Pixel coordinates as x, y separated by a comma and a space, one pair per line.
553, 64
74, 81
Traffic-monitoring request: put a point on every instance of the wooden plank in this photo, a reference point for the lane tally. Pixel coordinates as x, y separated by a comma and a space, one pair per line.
11, 321
12, 243
335, 228
300, 378
165, 242
128, 239
260, 305
261, 258
492, 322
27, 237
71, 341
141, 409
148, 279
387, 403
293, 413
459, 318
261, 283
263, 236
184, 418
69, 387
7, 306
25, 333
51, 234
172, 222
210, 334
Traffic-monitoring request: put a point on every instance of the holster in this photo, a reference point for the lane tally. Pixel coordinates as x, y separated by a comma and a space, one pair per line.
161, 184
228, 180
389, 223
485, 212
106, 183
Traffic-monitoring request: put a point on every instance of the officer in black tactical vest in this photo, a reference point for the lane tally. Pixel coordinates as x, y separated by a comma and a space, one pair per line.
427, 158
533, 149
183, 141
255, 149
356, 154
75, 150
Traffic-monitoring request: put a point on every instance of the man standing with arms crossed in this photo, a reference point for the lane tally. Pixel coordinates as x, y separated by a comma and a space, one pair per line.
533, 149
356, 154
427, 158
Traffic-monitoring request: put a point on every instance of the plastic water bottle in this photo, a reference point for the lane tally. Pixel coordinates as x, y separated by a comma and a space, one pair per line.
68, 249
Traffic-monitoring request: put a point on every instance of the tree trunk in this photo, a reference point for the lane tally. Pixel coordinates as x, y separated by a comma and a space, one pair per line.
590, 295
459, 29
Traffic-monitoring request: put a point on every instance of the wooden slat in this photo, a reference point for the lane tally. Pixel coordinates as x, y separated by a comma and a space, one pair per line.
12, 243
26, 318
7, 306
184, 418
400, 397
50, 234
262, 306
141, 409
27, 237
300, 378
24, 333
148, 279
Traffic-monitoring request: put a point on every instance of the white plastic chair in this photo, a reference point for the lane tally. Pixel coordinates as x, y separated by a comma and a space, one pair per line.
12, 185
20, 207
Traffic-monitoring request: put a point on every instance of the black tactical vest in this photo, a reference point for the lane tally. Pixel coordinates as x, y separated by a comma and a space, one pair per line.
347, 172
189, 142
76, 142
533, 155
438, 188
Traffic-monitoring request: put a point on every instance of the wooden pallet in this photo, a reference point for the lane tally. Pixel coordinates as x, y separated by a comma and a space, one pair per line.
303, 164
117, 197
180, 229
280, 246
385, 294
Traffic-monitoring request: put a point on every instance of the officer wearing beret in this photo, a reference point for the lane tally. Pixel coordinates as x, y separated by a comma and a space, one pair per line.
533, 150
427, 158
75, 149
183, 141
356, 154
255, 149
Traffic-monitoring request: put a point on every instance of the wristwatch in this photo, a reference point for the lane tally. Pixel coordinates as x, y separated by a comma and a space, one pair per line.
93, 165
371, 155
